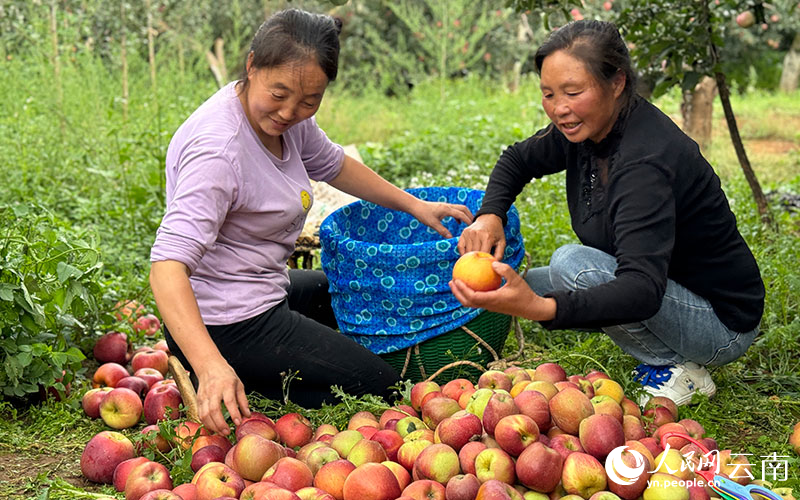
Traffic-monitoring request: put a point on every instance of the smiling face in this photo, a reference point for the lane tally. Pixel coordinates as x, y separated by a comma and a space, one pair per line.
575, 101
277, 98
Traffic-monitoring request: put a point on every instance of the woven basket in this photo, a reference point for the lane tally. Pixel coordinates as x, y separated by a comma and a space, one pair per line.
422, 360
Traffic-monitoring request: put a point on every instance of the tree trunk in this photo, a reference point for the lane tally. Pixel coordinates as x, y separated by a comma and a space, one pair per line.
697, 110
790, 76
524, 35
755, 187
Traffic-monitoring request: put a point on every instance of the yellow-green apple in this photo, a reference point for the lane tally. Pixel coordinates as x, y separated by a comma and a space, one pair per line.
462, 487
538, 467
493, 489
608, 387
362, 418
458, 430
419, 390
549, 372
401, 473
409, 451
475, 270
500, 405
390, 441
568, 408
108, 374
665, 487
583, 475
426, 434
121, 408
629, 407
112, 347
673, 441
186, 432
122, 470
91, 401
632, 427
456, 387
693, 427
670, 461
494, 379
101, 455
605, 404
289, 473
517, 375
434, 410
187, 491
467, 455
306, 449
794, 438
148, 324
145, 477
371, 481
735, 466
582, 383
548, 389
425, 489
465, 397
206, 454
312, 493
599, 434
256, 426
519, 387
318, 457
595, 374
323, 430
604, 495
565, 444
478, 400
494, 463
515, 432
252, 455
162, 403
343, 441
331, 477
437, 462
631, 471
161, 494
150, 375
150, 358
535, 495
216, 439
396, 413
216, 480
134, 383
407, 425
366, 450
651, 444
535, 405
663, 401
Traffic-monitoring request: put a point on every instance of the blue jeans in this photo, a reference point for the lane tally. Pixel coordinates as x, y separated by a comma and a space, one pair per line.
685, 328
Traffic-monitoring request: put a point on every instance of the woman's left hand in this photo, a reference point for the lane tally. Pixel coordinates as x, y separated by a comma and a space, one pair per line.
514, 298
431, 214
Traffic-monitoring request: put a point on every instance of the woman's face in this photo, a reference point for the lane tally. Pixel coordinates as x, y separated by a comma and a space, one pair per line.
277, 98
579, 106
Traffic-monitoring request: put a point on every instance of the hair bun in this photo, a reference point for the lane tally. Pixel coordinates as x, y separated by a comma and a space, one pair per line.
337, 21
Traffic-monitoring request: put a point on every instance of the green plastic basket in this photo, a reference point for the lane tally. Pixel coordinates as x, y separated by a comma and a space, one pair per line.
429, 356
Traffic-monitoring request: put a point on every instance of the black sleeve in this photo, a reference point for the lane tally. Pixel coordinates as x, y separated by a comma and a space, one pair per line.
641, 207
536, 156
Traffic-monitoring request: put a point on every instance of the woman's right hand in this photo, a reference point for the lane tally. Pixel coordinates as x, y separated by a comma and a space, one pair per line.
218, 383
483, 235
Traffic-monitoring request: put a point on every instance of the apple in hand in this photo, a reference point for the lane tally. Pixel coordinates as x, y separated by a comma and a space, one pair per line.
475, 270
101, 455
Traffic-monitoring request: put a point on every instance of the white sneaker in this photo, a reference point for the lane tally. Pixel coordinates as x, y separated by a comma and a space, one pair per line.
677, 382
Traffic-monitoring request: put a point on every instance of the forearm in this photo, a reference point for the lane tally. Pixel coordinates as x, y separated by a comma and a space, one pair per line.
362, 182
173, 293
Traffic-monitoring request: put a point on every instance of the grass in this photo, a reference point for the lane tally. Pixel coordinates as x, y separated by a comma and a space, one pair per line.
107, 174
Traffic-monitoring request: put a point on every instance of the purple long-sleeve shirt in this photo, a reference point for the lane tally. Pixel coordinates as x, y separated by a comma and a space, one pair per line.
235, 210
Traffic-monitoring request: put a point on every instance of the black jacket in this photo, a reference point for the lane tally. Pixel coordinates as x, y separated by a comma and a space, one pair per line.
647, 196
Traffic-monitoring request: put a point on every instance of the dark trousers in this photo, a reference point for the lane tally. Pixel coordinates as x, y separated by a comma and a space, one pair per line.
298, 335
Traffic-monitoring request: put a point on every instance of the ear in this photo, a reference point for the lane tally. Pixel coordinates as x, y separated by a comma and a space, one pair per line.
249, 64
618, 83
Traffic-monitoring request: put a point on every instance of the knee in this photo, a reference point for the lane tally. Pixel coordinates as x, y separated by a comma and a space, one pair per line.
578, 266
564, 266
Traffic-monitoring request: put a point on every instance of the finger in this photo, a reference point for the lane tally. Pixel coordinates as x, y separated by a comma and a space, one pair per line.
439, 228
504, 270
216, 418
241, 397
232, 404
499, 249
462, 213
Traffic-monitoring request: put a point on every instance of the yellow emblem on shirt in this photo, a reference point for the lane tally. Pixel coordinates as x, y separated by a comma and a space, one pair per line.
305, 198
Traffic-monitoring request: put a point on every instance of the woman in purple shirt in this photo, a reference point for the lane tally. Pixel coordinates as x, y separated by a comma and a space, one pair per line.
238, 192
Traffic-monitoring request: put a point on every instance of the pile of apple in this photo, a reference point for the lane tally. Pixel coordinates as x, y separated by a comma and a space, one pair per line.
532, 434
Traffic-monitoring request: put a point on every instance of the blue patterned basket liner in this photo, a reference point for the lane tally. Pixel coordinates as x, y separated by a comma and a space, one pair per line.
388, 272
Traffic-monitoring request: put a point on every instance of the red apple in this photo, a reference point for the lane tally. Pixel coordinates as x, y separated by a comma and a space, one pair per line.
568, 408
161, 494
438, 462
136, 384
162, 403
516, 432
253, 455
361, 419
312, 493
673, 441
539, 468
150, 358
148, 324
436, 409
467, 455
186, 432
462, 487
745, 19
319, 457
121, 408
395, 413
206, 454
128, 310
665, 402
549, 372
653, 446
294, 430
146, 477
366, 450
494, 463
632, 427
409, 451
112, 347
693, 428
630, 408
215, 480
122, 470
371, 481
583, 475
149, 375
331, 477
419, 390
500, 405
629, 488
456, 387
289, 473
565, 444
599, 434
108, 374
475, 270
494, 379
213, 439
343, 441
103, 453
605, 404
152, 439
425, 489
390, 441
91, 401
256, 426
458, 429
186, 491
493, 489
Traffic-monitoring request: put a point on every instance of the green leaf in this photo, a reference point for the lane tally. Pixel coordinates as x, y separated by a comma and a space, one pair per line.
66, 271
7, 291
24, 359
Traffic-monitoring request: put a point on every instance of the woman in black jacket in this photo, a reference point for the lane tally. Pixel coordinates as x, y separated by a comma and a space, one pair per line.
662, 268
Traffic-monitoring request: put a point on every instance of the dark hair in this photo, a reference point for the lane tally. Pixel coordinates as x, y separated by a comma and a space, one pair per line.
294, 35
598, 45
